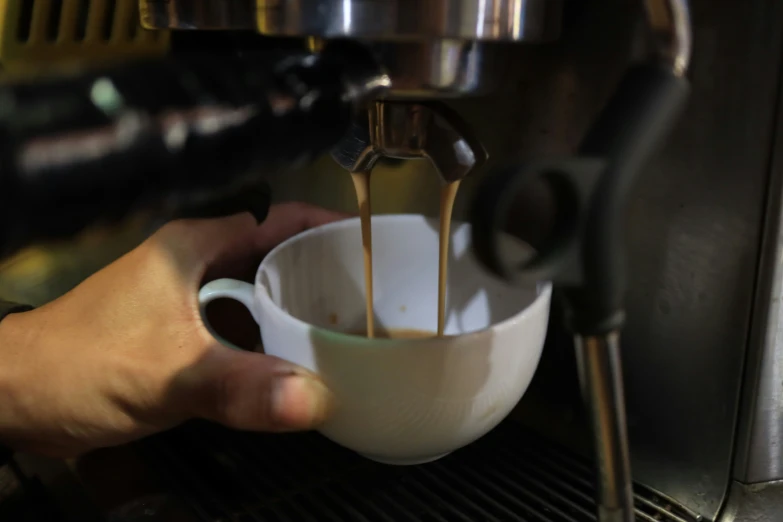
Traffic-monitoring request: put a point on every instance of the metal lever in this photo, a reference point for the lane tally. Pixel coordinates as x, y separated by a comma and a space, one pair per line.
412, 131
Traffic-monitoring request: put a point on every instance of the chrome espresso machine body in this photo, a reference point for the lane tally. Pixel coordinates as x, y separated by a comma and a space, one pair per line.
436, 50
511, 86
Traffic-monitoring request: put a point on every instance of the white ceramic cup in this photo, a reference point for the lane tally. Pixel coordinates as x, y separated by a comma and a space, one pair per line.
398, 401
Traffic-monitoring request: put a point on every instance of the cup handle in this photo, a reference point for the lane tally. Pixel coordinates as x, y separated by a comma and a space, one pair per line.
226, 289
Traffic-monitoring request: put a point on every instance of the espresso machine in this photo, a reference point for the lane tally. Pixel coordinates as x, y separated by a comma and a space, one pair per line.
587, 91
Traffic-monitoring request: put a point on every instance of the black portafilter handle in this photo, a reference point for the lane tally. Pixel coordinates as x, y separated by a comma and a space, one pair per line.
168, 134
576, 207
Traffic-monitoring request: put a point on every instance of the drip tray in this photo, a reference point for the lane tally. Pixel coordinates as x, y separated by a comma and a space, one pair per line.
509, 475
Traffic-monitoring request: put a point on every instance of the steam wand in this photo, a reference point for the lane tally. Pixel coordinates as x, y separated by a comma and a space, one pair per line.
582, 249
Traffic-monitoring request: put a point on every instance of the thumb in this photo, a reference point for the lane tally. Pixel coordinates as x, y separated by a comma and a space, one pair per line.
256, 392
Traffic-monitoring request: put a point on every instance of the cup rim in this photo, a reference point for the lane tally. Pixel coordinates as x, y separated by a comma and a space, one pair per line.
543, 288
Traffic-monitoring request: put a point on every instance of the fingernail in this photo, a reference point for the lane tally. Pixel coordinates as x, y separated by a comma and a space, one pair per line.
300, 401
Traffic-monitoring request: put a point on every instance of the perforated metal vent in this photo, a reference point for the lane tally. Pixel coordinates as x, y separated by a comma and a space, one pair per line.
510, 475
36, 33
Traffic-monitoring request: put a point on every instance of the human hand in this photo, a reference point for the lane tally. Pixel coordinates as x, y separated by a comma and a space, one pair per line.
126, 353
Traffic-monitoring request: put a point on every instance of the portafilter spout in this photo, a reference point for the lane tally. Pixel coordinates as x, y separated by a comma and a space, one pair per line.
406, 130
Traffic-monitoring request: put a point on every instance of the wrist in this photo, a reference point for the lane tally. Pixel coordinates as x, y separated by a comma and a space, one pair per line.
15, 333
12, 317
12, 335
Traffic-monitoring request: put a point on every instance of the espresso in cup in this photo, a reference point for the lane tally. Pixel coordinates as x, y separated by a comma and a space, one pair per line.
396, 333
407, 395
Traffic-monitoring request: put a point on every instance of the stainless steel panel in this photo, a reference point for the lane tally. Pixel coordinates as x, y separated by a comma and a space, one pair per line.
516, 20
759, 456
757, 502
696, 234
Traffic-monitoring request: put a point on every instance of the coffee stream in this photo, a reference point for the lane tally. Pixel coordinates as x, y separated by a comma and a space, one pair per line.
361, 182
448, 193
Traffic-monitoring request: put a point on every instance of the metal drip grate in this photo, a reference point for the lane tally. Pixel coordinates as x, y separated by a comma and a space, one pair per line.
509, 475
